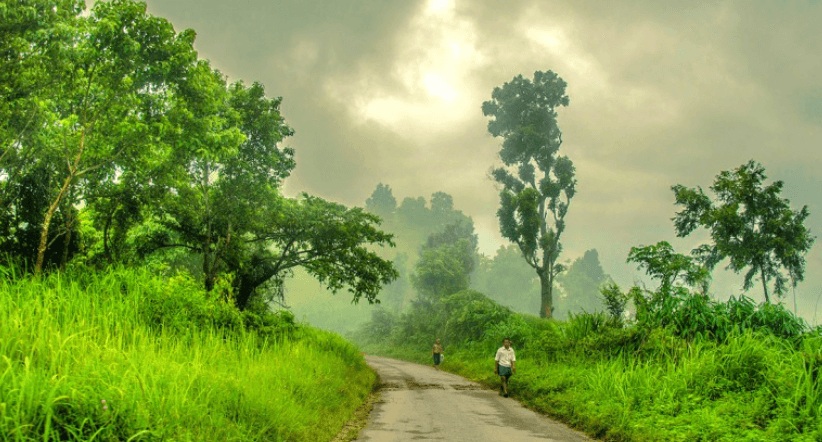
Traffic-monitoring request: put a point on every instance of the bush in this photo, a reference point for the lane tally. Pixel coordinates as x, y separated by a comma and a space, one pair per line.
514, 328
580, 325
612, 342
691, 315
470, 314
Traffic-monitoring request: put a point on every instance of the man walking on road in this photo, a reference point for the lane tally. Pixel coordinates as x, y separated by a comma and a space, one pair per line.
436, 353
505, 364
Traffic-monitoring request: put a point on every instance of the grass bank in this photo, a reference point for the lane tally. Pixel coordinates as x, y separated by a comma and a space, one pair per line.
127, 356
625, 383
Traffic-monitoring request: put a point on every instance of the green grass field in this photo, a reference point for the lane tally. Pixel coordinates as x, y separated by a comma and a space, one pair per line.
126, 356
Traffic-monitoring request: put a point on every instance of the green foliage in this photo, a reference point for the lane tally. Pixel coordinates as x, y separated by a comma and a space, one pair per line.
615, 301
662, 263
691, 315
446, 262
750, 225
582, 325
523, 114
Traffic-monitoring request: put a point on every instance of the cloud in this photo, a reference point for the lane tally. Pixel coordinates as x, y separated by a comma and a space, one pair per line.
661, 94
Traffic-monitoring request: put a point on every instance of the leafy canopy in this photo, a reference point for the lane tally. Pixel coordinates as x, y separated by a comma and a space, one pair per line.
750, 224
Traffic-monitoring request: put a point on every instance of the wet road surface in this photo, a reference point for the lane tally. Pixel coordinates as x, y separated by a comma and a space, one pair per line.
419, 403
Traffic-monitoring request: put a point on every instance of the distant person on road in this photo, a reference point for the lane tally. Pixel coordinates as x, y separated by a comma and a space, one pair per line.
505, 365
436, 353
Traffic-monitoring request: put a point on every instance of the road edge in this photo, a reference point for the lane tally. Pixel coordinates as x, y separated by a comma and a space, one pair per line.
351, 430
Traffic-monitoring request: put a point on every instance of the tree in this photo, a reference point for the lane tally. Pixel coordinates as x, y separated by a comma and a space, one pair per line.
326, 239
120, 66
750, 225
446, 262
662, 263
524, 116
582, 282
382, 202
32, 36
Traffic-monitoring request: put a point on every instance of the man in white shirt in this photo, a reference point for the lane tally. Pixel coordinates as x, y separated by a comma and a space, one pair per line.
505, 364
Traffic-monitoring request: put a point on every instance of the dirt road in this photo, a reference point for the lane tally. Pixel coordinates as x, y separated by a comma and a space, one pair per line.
419, 403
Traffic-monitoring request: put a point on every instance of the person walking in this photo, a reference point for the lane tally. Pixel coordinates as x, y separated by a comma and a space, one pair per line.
505, 365
436, 353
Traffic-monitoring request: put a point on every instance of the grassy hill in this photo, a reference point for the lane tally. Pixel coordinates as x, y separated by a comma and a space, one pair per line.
129, 356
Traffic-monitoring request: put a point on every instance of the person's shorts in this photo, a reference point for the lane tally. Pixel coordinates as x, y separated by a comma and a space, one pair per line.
436, 359
505, 371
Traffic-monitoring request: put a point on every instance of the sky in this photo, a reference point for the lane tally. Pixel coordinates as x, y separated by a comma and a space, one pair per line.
661, 93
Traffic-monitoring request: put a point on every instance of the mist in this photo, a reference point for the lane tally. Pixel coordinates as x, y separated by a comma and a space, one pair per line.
390, 92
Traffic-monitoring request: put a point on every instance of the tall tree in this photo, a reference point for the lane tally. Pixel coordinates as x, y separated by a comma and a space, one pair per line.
225, 187
750, 224
33, 35
524, 115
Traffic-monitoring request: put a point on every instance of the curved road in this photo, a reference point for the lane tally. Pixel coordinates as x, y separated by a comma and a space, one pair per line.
420, 403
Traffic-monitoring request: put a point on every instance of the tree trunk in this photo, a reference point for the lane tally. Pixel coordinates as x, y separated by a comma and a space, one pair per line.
765, 286
106, 248
44, 232
67, 240
546, 291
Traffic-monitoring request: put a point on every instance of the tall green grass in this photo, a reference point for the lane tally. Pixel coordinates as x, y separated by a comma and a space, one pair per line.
127, 356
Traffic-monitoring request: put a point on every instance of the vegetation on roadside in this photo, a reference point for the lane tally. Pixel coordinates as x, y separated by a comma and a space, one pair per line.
126, 355
685, 370
683, 367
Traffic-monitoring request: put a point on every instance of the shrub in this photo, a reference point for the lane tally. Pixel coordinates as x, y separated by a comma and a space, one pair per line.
583, 324
513, 327
470, 314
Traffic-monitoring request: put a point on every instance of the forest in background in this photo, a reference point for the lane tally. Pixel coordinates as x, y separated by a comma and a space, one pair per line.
504, 277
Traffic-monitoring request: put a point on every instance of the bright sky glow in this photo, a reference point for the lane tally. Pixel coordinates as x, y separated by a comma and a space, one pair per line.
434, 63
439, 87
439, 6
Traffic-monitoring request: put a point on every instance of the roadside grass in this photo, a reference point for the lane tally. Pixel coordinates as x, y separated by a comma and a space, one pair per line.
127, 356
623, 384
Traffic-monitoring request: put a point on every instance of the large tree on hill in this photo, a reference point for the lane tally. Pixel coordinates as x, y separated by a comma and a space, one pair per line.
750, 225
538, 184
382, 202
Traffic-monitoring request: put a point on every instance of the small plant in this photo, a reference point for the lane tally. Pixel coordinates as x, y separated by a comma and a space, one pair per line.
614, 300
